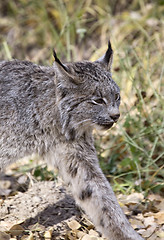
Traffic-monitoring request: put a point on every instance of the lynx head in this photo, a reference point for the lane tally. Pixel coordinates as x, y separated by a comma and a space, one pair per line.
87, 96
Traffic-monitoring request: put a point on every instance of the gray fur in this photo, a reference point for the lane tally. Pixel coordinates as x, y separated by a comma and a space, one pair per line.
51, 111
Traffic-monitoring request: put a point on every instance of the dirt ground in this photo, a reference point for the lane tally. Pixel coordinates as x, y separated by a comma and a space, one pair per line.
45, 210
43, 206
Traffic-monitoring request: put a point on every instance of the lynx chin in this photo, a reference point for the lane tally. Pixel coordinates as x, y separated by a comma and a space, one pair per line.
51, 111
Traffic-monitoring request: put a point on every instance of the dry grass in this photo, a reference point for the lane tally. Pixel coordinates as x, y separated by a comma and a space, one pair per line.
133, 151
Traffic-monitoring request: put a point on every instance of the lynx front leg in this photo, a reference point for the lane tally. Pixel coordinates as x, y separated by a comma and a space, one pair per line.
94, 194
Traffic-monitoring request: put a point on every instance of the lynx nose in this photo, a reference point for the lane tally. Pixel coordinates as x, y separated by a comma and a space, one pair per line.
115, 117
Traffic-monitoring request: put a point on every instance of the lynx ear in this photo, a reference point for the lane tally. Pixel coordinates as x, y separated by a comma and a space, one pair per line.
65, 71
106, 60
65, 68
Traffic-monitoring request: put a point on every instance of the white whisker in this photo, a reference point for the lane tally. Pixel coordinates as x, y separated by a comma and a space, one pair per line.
83, 121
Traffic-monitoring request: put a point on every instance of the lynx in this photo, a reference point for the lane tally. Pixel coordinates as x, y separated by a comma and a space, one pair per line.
51, 111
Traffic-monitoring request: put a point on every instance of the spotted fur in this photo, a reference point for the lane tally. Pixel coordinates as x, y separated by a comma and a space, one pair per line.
51, 111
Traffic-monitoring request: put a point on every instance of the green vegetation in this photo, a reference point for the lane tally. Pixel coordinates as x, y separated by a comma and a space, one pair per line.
132, 153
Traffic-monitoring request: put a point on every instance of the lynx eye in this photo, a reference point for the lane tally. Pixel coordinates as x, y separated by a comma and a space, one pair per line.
117, 97
98, 101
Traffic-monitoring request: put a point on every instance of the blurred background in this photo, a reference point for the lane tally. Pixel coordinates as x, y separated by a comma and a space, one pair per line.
132, 153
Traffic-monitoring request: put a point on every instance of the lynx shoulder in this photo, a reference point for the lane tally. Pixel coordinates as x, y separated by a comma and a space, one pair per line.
51, 111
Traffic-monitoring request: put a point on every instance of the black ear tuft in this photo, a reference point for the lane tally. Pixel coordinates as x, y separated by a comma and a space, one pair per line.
108, 53
66, 71
106, 60
58, 61
54, 54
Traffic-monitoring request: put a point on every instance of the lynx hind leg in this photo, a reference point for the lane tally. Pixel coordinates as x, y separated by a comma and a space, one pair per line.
93, 193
